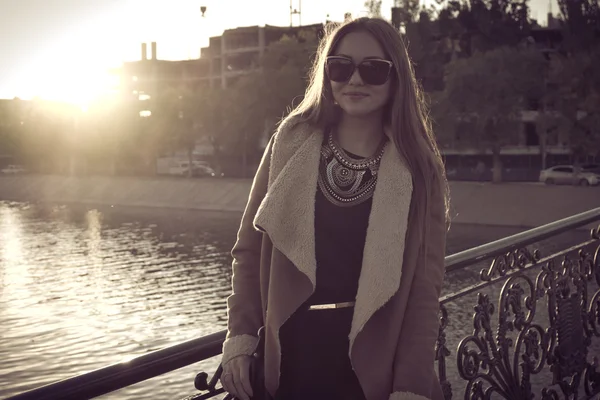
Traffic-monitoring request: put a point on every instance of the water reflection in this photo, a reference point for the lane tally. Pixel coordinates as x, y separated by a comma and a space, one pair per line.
82, 289
11, 252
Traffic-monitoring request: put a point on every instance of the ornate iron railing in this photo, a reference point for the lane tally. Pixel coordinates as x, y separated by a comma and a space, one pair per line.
505, 352
503, 360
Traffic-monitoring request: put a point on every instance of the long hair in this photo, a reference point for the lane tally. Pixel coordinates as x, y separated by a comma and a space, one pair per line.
406, 114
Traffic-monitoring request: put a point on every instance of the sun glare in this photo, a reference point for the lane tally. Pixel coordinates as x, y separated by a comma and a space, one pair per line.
63, 74
75, 65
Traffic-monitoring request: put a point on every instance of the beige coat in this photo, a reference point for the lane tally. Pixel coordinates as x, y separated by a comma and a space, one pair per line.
395, 323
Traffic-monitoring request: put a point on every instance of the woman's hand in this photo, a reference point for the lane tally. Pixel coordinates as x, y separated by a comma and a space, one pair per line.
236, 377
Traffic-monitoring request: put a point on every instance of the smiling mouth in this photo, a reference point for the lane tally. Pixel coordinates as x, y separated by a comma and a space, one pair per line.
356, 94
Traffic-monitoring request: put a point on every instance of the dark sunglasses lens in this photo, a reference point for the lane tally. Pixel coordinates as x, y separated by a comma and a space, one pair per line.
374, 72
339, 70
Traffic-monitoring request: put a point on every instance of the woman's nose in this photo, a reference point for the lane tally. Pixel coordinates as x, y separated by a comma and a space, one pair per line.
355, 79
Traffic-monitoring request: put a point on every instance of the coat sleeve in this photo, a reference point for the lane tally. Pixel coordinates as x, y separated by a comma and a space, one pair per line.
415, 353
244, 306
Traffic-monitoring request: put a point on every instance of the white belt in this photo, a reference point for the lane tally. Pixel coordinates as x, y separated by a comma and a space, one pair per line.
331, 306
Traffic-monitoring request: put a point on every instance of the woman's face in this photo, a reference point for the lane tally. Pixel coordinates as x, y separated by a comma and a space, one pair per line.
359, 95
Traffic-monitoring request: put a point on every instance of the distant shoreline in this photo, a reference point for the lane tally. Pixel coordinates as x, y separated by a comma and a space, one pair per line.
478, 203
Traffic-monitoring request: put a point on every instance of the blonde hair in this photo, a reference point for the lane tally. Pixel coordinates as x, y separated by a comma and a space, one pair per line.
406, 114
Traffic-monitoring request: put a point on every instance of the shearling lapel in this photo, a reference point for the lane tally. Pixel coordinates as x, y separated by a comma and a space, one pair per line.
384, 244
287, 211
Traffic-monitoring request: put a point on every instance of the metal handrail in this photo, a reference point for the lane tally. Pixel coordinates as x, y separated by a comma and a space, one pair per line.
127, 373
471, 256
118, 376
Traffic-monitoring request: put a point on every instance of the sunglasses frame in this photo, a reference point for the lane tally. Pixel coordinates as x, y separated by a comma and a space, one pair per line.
355, 67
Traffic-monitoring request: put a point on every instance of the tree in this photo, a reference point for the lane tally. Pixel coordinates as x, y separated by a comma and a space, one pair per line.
107, 132
49, 135
575, 99
428, 53
285, 70
210, 119
581, 27
483, 25
437, 34
486, 92
373, 8
238, 120
168, 127
255, 100
186, 128
11, 123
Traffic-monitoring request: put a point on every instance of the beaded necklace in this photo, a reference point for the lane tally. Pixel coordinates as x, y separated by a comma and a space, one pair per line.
346, 181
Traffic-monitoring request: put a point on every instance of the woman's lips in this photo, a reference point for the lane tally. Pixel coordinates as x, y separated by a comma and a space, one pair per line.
356, 95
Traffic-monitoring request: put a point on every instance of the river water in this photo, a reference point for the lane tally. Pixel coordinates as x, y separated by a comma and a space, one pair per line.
82, 288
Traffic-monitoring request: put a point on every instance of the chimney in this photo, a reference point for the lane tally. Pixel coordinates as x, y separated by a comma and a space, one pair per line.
144, 51
154, 50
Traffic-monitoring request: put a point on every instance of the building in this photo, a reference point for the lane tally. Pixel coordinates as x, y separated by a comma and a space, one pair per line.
239, 51
149, 77
236, 52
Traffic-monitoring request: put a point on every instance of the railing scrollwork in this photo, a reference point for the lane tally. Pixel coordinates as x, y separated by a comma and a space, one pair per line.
513, 260
506, 350
442, 352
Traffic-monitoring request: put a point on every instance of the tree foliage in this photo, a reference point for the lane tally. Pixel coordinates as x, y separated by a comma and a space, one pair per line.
373, 8
581, 27
575, 99
484, 97
11, 125
482, 25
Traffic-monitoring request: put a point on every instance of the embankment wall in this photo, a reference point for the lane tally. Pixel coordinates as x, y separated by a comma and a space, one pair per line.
507, 204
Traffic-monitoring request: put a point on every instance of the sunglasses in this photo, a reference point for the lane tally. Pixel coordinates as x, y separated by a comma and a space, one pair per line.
372, 71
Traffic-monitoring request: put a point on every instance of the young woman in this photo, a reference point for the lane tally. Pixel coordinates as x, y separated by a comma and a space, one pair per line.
340, 253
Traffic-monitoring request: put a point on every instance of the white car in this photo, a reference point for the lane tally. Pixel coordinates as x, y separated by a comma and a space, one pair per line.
568, 175
13, 169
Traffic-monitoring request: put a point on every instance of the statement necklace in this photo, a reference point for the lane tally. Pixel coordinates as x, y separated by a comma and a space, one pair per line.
346, 181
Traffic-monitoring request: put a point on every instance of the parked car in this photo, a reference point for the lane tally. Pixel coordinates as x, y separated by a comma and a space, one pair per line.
569, 175
204, 171
13, 169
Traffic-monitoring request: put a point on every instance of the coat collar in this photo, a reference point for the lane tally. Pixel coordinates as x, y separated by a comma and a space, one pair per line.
287, 215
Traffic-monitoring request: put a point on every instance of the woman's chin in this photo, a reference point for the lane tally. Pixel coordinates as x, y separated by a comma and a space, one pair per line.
358, 111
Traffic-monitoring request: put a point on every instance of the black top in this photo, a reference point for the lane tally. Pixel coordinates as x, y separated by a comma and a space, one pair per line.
340, 234
314, 344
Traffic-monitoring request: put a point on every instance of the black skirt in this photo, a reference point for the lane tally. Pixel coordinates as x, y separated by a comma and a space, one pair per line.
314, 356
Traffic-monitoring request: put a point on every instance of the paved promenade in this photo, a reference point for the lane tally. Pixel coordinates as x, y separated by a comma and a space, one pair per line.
508, 204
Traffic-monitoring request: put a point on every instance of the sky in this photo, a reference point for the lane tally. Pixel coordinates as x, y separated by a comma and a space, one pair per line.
61, 49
